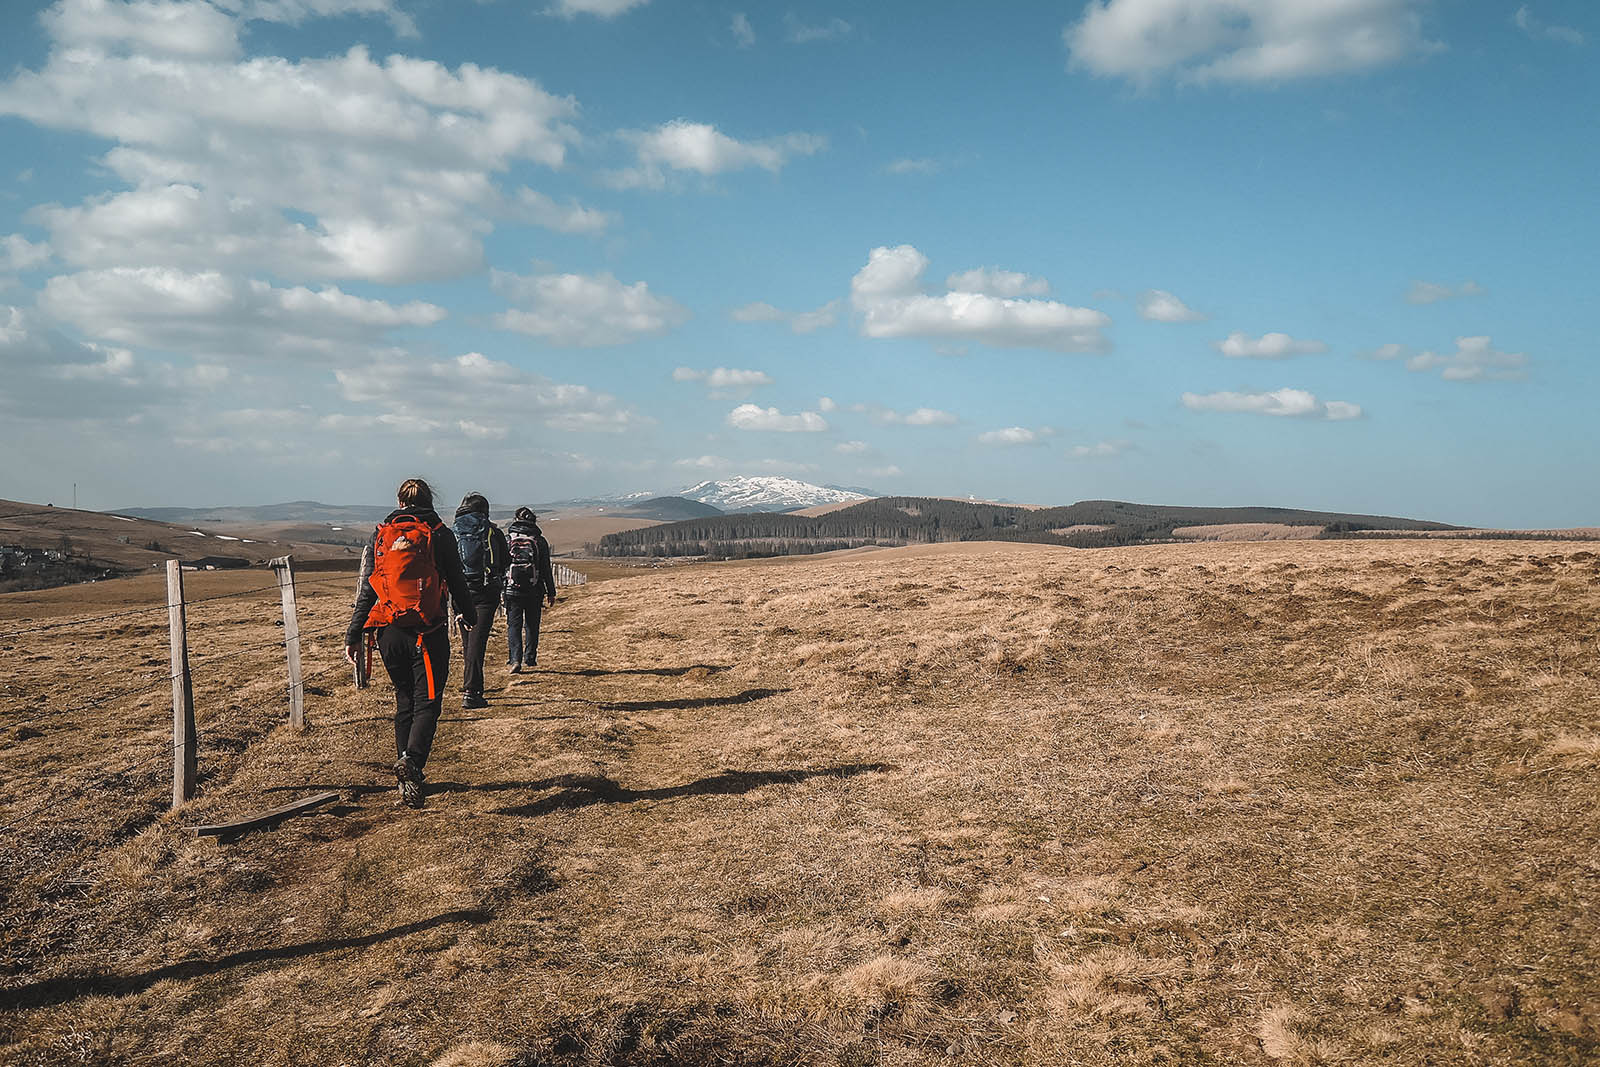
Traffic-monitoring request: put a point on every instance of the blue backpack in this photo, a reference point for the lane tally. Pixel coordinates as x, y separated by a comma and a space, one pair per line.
475, 545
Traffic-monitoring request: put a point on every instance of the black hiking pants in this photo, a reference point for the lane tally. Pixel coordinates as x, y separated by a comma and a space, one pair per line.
522, 629
475, 645
419, 666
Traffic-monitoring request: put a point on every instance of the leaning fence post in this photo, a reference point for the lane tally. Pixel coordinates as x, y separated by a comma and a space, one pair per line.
284, 565
183, 735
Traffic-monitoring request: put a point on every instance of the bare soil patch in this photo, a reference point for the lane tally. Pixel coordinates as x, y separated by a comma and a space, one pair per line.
1290, 802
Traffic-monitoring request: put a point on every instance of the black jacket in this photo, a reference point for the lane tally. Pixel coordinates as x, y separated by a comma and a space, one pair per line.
445, 556
547, 577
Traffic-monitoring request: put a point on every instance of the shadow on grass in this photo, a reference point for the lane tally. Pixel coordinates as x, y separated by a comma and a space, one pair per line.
685, 703
53, 991
583, 790
655, 672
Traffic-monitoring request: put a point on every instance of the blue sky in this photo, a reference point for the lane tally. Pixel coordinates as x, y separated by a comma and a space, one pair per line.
1327, 255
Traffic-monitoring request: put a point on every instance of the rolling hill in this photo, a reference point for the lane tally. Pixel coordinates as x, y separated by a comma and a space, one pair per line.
927, 520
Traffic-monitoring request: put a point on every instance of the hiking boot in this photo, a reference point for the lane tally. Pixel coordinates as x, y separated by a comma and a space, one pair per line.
409, 776
516, 668
473, 702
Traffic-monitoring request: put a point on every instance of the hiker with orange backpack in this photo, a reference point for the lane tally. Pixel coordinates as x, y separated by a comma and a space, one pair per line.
414, 564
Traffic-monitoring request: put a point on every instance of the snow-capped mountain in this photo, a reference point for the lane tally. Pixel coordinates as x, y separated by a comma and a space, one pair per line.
766, 494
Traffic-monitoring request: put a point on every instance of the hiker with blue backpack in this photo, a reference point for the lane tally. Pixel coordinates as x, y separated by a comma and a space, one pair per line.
415, 562
484, 560
528, 579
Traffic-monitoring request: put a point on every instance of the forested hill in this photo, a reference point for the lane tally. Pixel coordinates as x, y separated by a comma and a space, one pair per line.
925, 520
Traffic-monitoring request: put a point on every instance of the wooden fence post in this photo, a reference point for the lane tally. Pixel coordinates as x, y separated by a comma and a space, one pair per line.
183, 735
284, 565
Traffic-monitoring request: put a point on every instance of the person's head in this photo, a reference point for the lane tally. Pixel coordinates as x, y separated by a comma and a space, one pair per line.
474, 502
525, 514
415, 493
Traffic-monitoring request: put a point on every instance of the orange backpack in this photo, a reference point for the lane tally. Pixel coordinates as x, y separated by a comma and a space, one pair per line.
409, 587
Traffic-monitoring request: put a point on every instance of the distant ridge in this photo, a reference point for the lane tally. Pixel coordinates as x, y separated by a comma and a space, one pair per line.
293, 511
927, 520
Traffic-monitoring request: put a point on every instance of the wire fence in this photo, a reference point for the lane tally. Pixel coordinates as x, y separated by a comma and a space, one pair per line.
179, 675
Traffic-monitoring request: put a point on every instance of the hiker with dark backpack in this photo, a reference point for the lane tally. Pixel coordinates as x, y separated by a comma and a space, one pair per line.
484, 558
527, 579
414, 564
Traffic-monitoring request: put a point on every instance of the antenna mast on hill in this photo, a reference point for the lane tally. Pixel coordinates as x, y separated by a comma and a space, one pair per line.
74, 496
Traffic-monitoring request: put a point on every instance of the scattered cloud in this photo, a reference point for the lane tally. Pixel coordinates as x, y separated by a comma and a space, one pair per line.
18, 254
604, 9
1525, 21
1432, 292
699, 148
801, 322
584, 311
476, 389
744, 34
210, 313
1100, 450
887, 294
1238, 345
755, 417
797, 31
295, 12
1387, 352
535, 207
918, 417
991, 281
852, 448
723, 377
914, 166
1293, 403
1474, 360
1242, 41
336, 167
826, 404
891, 471
1158, 305
1013, 436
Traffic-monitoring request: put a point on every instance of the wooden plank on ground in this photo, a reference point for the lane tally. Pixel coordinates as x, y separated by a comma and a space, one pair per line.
266, 818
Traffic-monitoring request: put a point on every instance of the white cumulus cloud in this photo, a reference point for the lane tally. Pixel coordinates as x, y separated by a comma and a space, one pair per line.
1238, 345
700, 148
915, 417
474, 389
1012, 436
887, 294
1242, 41
1158, 305
584, 311
744, 34
336, 167
1474, 360
1291, 403
991, 281
605, 9
723, 377
213, 313
755, 417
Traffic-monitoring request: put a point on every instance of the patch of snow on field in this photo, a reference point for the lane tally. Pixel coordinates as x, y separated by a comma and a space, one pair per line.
197, 533
224, 537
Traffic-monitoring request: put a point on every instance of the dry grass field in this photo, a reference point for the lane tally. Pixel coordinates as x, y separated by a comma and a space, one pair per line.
1272, 803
